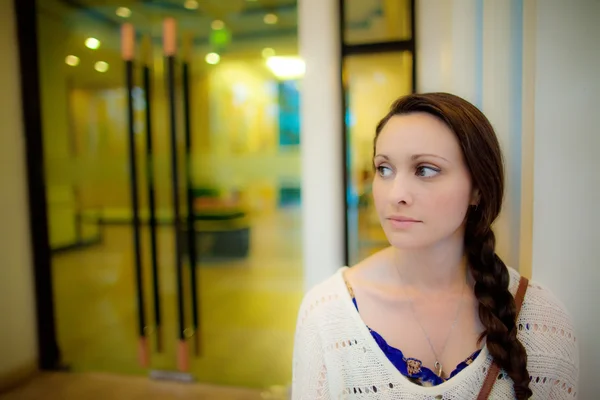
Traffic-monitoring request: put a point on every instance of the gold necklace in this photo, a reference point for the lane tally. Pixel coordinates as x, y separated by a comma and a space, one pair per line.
439, 369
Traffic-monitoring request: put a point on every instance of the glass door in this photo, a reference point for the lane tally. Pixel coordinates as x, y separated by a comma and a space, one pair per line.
173, 184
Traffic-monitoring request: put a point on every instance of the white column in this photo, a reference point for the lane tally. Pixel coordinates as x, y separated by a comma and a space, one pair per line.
566, 169
502, 38
448, 52
321, 140
434, 45
466, 50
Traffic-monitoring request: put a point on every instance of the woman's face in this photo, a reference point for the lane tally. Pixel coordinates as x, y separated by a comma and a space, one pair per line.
422, 187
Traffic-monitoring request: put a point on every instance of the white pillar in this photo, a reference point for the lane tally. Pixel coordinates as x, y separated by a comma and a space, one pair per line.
321, 140
448, 51
566, 164
502, 43
434, 45
466, 50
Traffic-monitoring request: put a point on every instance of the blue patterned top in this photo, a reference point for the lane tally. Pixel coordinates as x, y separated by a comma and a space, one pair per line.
412, 368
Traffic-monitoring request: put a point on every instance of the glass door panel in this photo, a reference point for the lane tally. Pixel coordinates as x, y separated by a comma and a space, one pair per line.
377, 21
244, 187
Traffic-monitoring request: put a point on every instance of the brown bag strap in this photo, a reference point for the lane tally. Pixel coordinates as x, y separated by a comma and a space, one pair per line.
494, 370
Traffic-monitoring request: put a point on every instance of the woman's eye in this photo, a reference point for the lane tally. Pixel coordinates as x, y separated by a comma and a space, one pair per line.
384, 171
427, 172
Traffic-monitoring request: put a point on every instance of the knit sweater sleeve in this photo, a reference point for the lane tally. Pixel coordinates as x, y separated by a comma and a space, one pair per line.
548, 332
561, 338
309, 380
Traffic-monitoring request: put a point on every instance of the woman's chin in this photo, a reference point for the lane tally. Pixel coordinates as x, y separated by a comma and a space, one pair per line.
402, 241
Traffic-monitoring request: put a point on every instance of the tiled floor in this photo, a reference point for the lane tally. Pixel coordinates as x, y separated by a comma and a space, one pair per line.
94, 386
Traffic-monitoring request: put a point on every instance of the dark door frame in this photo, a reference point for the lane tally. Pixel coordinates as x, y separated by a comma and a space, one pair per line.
26, 22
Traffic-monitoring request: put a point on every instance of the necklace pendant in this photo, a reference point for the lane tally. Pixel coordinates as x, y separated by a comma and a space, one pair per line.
438, 369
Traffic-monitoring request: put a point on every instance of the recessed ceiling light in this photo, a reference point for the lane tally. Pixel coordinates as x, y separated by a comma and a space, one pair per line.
268, 52
92, 43
123, 12
101, 66
270, 19
73, 61
191, 4
286, 67
217, 24
212, 58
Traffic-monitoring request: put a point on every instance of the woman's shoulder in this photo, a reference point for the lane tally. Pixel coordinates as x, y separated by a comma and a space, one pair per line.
546, 329
320, 299
539, 298
328, 286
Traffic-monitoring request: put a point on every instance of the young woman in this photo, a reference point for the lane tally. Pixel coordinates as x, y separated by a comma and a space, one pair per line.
436, 315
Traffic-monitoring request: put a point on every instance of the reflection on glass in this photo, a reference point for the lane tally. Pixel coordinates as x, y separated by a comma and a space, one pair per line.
373, 82
245, 169
372, 21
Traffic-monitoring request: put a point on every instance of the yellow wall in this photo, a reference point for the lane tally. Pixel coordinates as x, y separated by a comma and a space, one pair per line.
18, 349
55, 128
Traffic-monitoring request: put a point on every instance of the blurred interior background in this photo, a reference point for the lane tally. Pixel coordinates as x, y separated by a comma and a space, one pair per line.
241, 182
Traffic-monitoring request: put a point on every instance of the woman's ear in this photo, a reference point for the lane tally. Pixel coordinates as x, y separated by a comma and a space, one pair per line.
475, 197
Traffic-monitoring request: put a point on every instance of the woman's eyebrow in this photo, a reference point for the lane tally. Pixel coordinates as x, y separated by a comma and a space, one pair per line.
417, 156
414, 157
382, 156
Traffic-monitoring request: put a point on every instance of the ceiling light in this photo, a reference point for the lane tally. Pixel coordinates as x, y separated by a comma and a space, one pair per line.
191, 5
217, 25
270, 19
268, 52
73, 61
212, 58
101, 66
92, 43
123, 12
286, 67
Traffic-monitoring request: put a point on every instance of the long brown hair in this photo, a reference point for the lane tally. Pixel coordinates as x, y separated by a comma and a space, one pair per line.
483, 157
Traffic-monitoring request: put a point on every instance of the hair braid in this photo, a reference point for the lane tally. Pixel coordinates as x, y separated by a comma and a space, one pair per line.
497, 310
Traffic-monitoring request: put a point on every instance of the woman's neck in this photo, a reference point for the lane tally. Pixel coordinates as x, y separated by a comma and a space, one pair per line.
434, 269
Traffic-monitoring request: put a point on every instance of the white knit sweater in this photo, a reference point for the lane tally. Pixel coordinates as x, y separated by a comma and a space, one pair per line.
335, 356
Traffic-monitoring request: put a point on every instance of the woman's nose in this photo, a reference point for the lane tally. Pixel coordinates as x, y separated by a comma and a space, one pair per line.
401, 191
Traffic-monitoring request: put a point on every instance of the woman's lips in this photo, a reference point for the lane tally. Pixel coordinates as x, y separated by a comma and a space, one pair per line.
402, 222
